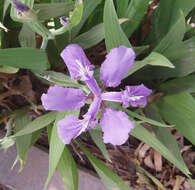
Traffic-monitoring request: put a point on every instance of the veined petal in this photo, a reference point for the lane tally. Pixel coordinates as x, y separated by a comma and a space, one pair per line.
116, 65
115, 126
135, 95
61, 99
94, 108
77, 62
69, 128
112, 96
93, 86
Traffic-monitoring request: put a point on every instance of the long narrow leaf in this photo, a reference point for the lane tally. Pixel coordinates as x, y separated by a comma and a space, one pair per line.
114, 35
110, 179
37, 124
56, 146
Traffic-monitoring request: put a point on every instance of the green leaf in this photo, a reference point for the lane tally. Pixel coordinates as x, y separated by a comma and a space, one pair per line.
52, 10
96, 135
166, 15
140, 49
182, 56
122, 7
144, 135
35, 136
76, 15
56, 146
26, 58
135, 13
114, 35
89, 6
154, 59
179, 110
60, 79
68, 170
175, 34
27, 37
163, 134
91, 37
110, 179
22, 143
4, 5
37, 124
179, 85
137, 116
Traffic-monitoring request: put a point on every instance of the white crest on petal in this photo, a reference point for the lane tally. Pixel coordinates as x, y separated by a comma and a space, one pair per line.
134, 98
83, 70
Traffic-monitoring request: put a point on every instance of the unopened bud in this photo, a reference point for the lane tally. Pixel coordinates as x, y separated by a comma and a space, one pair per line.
65, 21
20, 6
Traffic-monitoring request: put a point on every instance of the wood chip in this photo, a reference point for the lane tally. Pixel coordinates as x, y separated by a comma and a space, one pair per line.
148, 161
143, 150
178, 182
157, 161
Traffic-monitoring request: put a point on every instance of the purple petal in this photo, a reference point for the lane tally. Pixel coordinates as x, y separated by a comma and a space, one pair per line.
77, 62
135, 95
61, 99
69, 128
92, 112
93, 86
94, 108
20, 6
116, 65
112, 96
65, 21
116, 126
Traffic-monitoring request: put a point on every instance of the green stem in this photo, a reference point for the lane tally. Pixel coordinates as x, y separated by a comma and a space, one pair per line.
61, 30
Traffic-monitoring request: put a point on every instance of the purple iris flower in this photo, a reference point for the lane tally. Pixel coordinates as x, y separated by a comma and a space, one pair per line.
20, 6
115, 124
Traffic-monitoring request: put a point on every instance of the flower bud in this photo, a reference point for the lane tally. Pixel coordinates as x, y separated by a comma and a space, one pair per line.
20, 6
65, 21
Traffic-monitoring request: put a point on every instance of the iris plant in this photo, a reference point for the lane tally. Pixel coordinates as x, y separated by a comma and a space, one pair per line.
115, 124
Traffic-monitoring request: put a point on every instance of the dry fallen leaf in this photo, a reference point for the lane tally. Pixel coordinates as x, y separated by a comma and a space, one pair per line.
148, 161
157, 161
178, 182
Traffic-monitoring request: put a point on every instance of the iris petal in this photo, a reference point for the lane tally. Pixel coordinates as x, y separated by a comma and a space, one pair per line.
116, 126
135, 95
116, 65
60, 99
69, 128
77, 62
